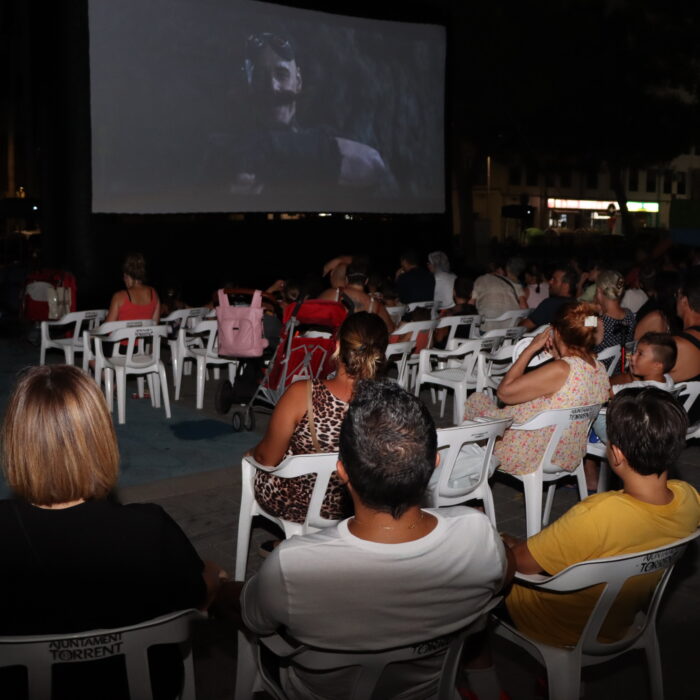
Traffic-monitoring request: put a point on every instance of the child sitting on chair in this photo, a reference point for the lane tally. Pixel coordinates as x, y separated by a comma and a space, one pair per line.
650, 363
646, 429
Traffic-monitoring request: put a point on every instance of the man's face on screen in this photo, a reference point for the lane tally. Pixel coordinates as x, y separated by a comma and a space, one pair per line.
275, 85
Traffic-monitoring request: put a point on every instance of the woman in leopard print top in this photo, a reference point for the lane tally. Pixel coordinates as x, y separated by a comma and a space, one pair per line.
362, 342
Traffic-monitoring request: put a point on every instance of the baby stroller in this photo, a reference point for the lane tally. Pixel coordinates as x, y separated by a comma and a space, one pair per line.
305, 349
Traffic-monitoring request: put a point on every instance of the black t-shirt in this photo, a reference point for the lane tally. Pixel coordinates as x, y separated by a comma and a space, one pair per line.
547, 309
96, 565
417, 284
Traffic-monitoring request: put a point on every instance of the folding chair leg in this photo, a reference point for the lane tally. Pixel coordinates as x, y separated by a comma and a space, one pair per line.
532, 484
164, 389
121, 396
551, 490
140, 383
564, 683
460, 398
109, 388
651, 651
153, 390
178, 377
201, 369
69, 354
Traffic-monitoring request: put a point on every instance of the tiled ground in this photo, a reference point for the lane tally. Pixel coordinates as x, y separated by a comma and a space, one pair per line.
206, 506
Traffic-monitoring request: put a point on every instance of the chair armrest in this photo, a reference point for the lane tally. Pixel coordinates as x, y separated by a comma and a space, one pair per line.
257, 465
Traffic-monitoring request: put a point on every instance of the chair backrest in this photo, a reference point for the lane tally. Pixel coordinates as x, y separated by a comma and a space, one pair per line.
492, 366
560, 419
423, 305
134, 335
450, 442
104, 330
538, 359
614, 572
510, 317
209, 329
371, 664
454, 323
507, 335
610, 357
82, 320
38, 653
185, 317
688, 394
396, 312
415, 328
399, 353
472, 348
323, 465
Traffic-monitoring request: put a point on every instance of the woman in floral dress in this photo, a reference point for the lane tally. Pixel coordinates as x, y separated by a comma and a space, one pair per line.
573, 378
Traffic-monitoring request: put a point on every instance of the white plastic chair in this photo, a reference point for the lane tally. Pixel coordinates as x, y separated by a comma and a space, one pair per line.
563, 664
72, 344
448, 488
540, 358
206, 354
146, 364
460, 378
560, 419
182, 319
399, 353
456, 322
492, 366
253, 676
688, 395
430, 305
97, 356
415, 328
322, 464
610, 357
38, 653
396, 312
509, 319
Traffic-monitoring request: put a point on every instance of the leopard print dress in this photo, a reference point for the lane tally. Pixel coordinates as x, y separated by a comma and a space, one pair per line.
289, 498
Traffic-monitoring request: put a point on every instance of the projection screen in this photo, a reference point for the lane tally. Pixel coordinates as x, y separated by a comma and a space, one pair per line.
233, 106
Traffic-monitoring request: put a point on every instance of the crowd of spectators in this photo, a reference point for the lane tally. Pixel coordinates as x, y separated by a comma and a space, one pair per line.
392, 572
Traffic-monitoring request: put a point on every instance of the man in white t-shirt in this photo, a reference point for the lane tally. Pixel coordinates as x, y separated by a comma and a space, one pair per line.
497, 292
392, 575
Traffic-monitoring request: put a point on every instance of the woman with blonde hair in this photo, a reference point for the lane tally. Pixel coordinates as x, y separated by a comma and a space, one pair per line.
73, 559
574, 378
362, 341
617, 327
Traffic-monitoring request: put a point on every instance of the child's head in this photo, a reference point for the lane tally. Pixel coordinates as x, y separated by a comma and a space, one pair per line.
648, 426
655, 355
420, 313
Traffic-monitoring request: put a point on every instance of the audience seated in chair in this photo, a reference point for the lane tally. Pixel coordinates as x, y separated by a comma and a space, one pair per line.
687, 367
295, 429
392, 575
138, 300
575, 378
74, 559
646, 430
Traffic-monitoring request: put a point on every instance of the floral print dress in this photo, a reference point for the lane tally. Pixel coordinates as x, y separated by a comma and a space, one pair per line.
520, 451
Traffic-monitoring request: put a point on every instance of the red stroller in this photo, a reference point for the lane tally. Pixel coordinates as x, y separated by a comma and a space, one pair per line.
306, 346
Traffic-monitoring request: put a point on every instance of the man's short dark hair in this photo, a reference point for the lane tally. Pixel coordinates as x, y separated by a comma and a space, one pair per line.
691, 289
663, 348
649, 425
387, 446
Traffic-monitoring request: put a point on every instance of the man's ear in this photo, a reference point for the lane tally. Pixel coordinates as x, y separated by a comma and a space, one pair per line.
437, 459
617, 455
341, 472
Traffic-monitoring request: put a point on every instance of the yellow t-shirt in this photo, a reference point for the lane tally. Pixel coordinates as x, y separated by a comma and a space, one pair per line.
603, 525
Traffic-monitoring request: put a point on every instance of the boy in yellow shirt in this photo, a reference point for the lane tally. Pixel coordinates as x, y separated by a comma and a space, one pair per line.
646, 433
